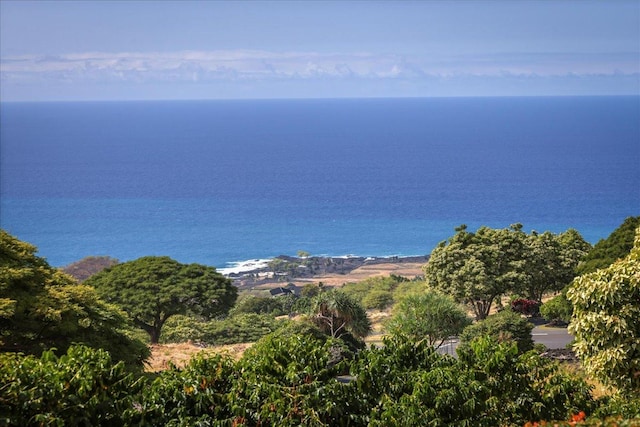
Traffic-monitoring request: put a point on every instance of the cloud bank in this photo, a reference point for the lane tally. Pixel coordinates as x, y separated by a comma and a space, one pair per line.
246, 66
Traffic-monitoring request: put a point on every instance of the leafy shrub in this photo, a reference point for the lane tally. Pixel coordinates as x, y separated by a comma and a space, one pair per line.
504, 327
194, 395
258, 305
289, 380
490, 384
377, 299
557, 309
239, 328
82, 387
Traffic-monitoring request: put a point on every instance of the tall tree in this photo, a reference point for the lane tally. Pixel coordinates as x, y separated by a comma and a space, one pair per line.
477, 268
41, 308
152, 289
550, 261
606, 321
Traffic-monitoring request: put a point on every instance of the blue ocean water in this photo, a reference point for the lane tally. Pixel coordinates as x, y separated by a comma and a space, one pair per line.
223, 181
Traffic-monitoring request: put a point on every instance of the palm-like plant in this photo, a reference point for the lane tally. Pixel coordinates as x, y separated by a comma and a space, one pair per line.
336, 314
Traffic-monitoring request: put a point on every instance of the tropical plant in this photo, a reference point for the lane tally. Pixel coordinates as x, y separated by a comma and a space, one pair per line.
606, 321
337, 314
550, 262
152, 289
557, 309
196, 395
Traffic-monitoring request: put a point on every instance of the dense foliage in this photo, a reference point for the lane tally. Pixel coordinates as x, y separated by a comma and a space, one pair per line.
238, 328
43, 308
478, 268
152, 289
606, 321
505, 326
82, 387
291, 379
607, 251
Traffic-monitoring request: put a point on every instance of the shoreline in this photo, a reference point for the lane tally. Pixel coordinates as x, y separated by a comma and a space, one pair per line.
332, 271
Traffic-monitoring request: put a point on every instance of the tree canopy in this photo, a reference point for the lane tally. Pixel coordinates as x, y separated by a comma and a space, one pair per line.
477, 268
606, 321
152, 289
42, 308
607, 251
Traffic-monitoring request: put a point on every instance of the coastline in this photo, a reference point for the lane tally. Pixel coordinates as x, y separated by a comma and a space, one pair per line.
332, 271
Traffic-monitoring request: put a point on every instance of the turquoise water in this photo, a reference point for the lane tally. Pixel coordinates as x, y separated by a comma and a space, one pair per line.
223, 181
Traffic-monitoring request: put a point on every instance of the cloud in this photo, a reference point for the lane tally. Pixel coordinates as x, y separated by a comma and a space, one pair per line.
265, 65
268, 74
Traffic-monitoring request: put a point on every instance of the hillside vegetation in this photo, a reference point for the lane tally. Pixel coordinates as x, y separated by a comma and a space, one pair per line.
309, 364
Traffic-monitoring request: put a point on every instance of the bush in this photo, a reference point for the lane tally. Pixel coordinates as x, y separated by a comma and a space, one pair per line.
526, 307
505, 326
290, 380
82, 387
258, 305
377, 299
194, 395
236, 329
557, 309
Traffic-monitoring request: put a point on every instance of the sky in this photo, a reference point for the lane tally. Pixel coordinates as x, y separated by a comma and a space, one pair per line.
147, 50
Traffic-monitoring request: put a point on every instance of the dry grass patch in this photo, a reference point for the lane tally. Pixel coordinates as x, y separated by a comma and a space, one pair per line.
163, 355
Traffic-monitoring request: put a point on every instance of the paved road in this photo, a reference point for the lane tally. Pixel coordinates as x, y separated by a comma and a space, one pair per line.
552, 338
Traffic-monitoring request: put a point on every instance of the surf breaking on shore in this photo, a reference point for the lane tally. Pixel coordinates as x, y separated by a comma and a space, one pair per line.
285, 268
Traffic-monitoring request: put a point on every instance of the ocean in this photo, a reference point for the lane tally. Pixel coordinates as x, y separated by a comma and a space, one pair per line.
218, 182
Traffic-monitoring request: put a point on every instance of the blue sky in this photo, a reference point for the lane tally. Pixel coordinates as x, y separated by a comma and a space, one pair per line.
120, 50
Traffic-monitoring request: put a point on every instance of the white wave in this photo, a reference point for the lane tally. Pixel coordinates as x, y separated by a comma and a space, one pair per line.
244, 266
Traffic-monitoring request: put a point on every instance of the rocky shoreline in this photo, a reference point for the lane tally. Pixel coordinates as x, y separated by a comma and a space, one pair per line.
283, 268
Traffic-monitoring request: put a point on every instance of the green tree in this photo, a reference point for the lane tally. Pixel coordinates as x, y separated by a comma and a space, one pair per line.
550, 261
606, 321
431, 316
41, 308
336, 313
152, 289
607, 251
477, 268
